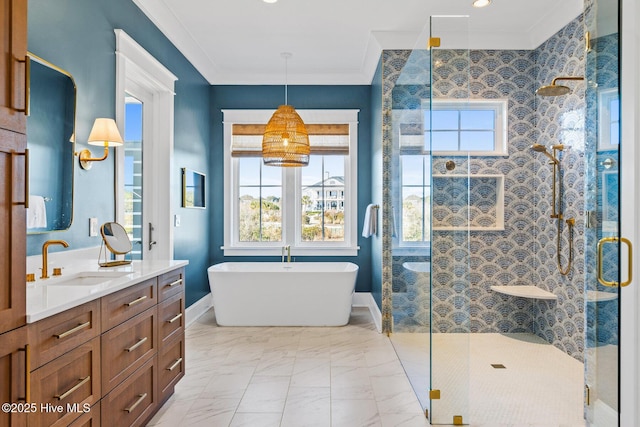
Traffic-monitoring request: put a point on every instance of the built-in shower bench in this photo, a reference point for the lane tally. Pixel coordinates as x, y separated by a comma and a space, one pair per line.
525, 291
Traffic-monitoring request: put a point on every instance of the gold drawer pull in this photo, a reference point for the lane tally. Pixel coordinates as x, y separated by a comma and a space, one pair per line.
136, 403
174, 318
177, 282
27, 86
72, 331
27, 373
176, 363
26, 178
66, 394
136, 345
136, 301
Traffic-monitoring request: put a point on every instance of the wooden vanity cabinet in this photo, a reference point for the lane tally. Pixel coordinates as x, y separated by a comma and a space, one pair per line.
134, 401
64, 387
171, 365
13, 232
13, 142
171, 343
123, 305
135, 385
56, 335
88, 419
13, 66
13, 371
127, 347
65, 365
115, 360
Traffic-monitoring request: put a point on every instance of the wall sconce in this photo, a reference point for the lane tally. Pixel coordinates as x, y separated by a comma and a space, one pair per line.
105, 133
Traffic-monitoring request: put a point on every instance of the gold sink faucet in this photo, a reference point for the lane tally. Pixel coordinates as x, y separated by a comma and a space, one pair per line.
45, 250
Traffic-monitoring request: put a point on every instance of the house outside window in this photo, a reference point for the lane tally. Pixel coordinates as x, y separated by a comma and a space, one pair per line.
313, 209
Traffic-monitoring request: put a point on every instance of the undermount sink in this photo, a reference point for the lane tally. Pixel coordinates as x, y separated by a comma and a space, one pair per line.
87, 278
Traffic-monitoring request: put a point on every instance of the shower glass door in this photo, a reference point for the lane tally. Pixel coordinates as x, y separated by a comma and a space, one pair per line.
606, 251
449, 137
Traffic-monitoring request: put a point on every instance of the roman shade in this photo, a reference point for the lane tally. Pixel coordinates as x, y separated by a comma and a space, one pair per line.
324, 139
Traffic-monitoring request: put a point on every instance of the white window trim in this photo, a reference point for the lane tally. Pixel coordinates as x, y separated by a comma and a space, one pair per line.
500, 108
291, 177
134, 65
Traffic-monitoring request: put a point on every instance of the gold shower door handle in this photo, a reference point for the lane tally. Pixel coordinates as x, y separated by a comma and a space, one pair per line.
613, 283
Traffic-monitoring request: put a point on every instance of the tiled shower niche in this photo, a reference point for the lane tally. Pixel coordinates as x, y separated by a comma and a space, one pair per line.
475, 202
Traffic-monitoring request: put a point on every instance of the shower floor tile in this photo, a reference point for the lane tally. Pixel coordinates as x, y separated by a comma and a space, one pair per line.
539, 384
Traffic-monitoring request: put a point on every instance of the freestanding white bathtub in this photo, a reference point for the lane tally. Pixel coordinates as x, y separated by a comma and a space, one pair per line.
282, 294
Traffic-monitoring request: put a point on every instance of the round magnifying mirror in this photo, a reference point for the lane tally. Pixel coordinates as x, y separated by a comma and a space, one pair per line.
116, 238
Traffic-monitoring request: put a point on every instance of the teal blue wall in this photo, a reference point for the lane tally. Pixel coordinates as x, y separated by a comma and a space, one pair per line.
77, 35
376, 181
301, 97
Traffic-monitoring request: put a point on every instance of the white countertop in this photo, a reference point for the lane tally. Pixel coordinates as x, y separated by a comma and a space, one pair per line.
525, 291
46, 297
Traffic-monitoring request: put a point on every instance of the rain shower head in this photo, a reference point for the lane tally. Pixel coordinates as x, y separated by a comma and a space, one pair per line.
542, 149
554, 89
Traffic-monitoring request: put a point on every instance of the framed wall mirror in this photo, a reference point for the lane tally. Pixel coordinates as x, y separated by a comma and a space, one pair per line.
51, 144
193, 189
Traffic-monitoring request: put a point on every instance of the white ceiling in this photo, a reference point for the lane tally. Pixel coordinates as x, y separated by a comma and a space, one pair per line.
339, 41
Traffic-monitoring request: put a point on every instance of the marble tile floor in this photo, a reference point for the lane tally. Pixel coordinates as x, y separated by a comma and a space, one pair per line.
257, 377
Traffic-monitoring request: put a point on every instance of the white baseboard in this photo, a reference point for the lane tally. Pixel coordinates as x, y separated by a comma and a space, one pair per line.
365, 299
197, 309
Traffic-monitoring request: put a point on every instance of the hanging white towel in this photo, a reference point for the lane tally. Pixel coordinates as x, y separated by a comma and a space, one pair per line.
370, 226
37, 212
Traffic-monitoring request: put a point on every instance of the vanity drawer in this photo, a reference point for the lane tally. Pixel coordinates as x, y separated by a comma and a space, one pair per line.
171, 317
124, 304
68, 382
133, 401
127, 346
55, 335
170, 365
171, 283
88, 419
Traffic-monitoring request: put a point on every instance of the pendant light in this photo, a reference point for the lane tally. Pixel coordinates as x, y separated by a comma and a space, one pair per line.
285, 142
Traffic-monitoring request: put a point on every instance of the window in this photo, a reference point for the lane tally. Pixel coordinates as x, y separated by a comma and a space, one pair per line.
475, 127
416, 199
313, 209
609, 110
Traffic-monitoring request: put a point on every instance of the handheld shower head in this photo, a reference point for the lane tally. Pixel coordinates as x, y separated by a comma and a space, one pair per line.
556, 90
542, 149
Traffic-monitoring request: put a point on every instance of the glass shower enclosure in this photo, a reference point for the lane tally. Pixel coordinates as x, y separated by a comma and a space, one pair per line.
470, 210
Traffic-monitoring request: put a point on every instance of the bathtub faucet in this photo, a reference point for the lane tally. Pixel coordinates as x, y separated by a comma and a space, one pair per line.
288, 250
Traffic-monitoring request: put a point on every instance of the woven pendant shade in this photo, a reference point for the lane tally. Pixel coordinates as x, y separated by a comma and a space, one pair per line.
285, 141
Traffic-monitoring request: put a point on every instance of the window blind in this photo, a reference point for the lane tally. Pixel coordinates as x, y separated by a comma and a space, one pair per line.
324, 139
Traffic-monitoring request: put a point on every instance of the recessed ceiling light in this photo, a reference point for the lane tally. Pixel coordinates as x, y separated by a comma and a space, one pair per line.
270, 1
479, 3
